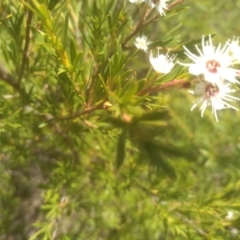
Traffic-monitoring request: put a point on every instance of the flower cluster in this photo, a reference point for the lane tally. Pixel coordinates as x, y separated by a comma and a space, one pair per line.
160, 63
160, 5
213, 66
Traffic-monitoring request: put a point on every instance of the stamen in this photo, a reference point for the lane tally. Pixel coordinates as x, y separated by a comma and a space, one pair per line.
211, 91
212, 66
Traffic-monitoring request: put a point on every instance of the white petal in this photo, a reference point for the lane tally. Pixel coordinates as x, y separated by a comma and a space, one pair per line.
229, 74
194, 69
162, 63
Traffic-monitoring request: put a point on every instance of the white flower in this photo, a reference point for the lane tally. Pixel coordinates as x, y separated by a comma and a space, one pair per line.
161, 5
230, 215
234, 231
142, 43
215, 96
213, 63
162, 63
137, 1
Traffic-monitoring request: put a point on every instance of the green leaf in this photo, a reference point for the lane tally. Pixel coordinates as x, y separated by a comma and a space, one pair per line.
40, 232
157, 159
15, 115
13, 125
65, 32
77, 61
141, 84
160, 43
116, 122
154, 115
171, 31
73, 50
125, 75
128, 91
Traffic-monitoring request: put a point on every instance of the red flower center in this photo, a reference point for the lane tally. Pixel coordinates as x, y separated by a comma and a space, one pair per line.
212, 66
211, 91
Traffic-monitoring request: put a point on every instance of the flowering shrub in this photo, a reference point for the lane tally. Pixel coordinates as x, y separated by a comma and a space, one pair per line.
97, 137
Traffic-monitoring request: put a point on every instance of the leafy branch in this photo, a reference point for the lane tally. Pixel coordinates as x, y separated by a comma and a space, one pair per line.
26, 47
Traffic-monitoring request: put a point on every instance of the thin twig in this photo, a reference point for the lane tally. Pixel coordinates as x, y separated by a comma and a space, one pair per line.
175, 3
162, 86
143, 24
99, 106
138, 27
26, 47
